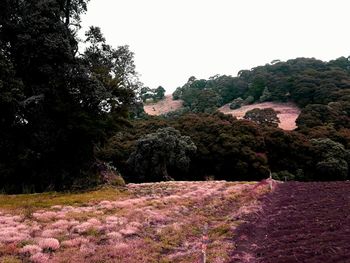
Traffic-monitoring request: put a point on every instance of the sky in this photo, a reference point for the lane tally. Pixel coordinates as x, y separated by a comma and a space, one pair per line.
176, 39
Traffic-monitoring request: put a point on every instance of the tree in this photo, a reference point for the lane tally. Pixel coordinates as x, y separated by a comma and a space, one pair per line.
266, 95
115, 69
177, 93
155, 94
236, 103
146, 93
159, 93
59, 105
267, 117
158, 152
332, 169
331, 159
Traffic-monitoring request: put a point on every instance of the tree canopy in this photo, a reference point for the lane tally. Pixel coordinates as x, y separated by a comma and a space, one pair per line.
56, 105
266, 116
305, 81
158, 152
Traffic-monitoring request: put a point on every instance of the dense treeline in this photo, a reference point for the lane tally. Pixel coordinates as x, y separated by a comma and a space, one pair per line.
241, 150
232, 149
304, 81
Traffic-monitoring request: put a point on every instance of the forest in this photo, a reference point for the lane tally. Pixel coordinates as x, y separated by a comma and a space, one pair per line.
72, 119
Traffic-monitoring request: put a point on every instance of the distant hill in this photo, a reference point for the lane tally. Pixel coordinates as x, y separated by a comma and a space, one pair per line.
303, 81
310, 98
320, 89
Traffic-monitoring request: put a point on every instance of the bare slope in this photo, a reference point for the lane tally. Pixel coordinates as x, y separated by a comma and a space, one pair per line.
288, 112
164, 106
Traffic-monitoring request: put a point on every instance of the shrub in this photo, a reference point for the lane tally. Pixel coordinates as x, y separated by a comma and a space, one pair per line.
283, 176
50, 244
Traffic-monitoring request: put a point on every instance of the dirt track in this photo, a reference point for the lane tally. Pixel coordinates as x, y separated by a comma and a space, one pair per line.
299, 222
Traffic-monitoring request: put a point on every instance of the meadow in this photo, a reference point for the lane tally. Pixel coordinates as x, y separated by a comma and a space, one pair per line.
150, 222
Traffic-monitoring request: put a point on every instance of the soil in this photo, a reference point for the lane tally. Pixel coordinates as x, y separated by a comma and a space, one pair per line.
299, 222
164, 106
287, 112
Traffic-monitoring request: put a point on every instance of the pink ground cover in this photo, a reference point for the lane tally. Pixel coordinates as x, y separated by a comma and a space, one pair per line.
157, 221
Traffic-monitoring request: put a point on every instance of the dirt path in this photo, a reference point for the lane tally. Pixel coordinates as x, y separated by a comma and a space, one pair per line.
300, 222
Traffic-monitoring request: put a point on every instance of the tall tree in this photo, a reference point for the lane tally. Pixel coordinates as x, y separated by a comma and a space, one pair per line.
57, 104
158, 152
159, 93
331, 160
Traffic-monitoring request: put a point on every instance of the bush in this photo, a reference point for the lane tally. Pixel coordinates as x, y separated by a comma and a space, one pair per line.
283, 176
236, 103
161, 155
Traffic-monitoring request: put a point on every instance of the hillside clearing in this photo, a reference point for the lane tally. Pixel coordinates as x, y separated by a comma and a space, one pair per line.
154, 222
163, 106
287, 112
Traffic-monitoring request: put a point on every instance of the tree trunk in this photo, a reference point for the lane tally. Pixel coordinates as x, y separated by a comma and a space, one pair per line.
67, 12
165, 174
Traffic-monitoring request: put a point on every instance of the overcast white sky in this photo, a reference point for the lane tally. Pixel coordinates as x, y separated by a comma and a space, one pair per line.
175, 39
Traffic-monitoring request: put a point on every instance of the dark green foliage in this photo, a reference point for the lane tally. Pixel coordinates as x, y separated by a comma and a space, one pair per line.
233, 149
198, 98
267, 117
226, 148
289, 151
160, 91
283, 176
332, 169
266, 95
153, 94
331, 159
161, 155
236, 103
304, 81
55, 106
240, 150
336, 114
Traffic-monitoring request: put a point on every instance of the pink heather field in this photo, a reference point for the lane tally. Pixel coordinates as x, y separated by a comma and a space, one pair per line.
153, 222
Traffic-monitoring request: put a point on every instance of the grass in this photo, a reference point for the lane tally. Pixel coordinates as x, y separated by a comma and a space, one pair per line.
46, 200
10, 259
160, 222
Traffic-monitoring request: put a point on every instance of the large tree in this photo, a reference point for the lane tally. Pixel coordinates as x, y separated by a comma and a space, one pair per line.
157, 153
57, 108
267, 117
331, 159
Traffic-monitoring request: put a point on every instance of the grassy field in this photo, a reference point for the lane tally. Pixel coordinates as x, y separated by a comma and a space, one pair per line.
47, 200
156, 222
